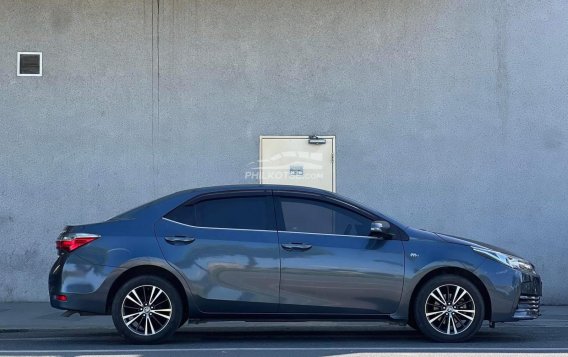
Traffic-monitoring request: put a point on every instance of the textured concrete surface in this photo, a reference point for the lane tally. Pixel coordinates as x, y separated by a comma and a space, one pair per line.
23, 316
28, 329
449, 115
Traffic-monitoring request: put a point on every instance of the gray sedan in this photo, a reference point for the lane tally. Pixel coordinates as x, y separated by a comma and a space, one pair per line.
267, 252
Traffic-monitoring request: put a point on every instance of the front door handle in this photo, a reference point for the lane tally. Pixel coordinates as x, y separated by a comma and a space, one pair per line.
296, 246
178, 240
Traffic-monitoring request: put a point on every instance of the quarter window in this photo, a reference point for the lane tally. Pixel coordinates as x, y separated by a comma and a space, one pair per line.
313, 216
183, 214
253, 212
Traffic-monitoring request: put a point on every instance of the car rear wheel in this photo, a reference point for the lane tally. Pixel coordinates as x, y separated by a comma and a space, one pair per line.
147, 309
449, 308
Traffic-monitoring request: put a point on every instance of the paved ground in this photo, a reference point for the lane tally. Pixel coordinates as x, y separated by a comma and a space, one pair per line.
36, 329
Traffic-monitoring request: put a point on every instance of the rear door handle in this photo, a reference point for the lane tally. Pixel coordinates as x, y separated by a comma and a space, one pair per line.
179, 240
296, 246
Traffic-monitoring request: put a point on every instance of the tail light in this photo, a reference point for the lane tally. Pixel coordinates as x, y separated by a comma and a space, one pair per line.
72, 241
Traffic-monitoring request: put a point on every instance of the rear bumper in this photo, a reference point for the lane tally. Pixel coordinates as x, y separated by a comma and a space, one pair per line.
85, 286
79, 302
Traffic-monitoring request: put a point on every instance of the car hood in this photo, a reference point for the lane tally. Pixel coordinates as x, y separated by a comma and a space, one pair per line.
464, 241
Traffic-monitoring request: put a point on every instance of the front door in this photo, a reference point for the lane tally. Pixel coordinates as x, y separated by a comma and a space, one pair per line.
330, 264
226, 246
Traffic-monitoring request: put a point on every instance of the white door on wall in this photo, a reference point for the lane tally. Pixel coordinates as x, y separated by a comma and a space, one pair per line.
298, 160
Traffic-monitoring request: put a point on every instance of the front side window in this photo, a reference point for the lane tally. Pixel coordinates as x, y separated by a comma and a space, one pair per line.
254, 212
314, 216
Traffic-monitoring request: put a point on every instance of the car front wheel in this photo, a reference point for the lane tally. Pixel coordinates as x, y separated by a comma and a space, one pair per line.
147, 309
449, 308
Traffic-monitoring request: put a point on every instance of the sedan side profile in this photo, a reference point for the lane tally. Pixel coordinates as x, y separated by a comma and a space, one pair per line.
273, 252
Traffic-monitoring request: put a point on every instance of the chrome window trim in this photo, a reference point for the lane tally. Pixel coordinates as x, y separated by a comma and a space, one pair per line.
265, 230
218, 228
335, 235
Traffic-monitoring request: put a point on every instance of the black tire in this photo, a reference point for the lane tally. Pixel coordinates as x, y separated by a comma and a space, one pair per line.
137, 330
454, 321
184, 319
412, 324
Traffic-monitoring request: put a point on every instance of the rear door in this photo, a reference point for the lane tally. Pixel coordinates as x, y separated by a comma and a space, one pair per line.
330, 264
226, 246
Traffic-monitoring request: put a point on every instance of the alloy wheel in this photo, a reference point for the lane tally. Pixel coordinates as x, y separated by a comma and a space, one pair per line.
146, 310
450, 309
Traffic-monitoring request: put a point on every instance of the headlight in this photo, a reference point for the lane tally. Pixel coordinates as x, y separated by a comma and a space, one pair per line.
508, 260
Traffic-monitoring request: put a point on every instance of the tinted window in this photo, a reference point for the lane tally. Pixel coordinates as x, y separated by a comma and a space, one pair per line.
254, 212
313, 216
183, 214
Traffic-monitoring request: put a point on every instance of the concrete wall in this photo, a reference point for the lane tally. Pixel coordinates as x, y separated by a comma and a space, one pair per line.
449, 115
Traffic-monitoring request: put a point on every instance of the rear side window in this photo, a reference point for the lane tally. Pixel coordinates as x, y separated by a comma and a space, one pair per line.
254, 212
314, 216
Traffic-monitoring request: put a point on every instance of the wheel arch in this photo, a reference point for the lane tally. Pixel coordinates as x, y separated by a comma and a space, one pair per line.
141, 270
453, 271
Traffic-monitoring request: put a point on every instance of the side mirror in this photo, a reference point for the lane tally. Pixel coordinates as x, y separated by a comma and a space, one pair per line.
380, 229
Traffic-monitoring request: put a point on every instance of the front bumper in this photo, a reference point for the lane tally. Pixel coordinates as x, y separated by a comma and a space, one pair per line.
528, 306
513, 295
